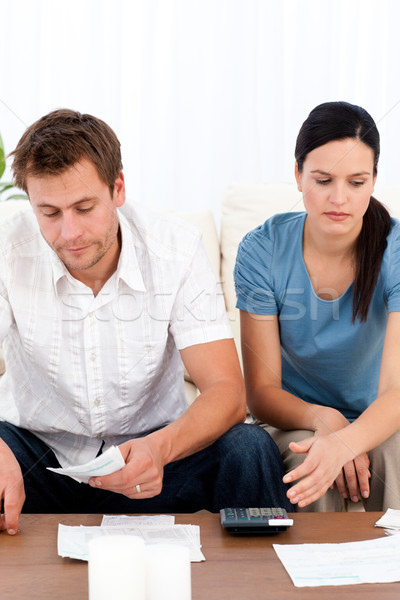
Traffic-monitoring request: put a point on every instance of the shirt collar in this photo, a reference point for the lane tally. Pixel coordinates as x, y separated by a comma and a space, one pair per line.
128, 269
128, 265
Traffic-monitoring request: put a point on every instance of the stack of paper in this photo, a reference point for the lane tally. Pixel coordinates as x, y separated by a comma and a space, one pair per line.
390, 521
159, 529
372, 561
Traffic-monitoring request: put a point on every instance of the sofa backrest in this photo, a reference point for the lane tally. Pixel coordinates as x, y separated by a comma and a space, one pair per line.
204, 220
244, 206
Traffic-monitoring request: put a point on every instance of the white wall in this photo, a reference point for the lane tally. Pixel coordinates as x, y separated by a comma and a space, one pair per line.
202, 93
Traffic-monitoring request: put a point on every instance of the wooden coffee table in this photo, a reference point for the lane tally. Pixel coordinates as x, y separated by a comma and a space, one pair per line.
236, 568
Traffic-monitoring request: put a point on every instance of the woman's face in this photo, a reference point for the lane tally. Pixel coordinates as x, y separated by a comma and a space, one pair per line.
337, 181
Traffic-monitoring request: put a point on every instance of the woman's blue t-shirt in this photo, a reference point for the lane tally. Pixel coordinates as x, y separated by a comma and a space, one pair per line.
326, 358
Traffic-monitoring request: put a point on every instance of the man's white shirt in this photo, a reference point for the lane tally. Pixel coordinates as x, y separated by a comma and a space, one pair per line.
82, 369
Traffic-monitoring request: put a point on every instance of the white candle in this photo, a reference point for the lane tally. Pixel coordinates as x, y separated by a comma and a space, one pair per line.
117, 568
168, 572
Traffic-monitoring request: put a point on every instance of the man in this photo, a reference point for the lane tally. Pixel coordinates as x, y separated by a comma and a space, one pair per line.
100, 309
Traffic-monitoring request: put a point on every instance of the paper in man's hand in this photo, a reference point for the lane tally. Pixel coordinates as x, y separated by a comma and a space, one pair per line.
110, 461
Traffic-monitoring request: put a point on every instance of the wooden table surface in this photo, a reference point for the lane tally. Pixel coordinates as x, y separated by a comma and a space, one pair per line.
236, 568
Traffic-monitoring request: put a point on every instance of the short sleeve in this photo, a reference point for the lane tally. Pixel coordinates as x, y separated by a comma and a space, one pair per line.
252, 274
199, 314
393, 283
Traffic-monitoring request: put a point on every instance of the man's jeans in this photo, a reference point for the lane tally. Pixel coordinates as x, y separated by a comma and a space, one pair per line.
242, 468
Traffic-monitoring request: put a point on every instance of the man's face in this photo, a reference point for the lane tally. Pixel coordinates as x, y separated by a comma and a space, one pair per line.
78, 218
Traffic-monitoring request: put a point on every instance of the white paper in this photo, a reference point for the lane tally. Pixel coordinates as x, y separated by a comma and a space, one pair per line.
73, 541
372, 561
131, 521
391, 521
110, 461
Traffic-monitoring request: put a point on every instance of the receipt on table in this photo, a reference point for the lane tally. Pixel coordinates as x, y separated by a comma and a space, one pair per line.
372, 561
137, 520
390, 521
73, 541
110, 461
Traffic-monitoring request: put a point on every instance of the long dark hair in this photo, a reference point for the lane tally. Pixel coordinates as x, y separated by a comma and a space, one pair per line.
336, 121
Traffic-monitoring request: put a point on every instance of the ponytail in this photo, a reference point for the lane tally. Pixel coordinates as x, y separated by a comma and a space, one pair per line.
370, 246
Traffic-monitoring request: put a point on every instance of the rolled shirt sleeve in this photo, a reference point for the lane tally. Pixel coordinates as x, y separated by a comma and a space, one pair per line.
198, 314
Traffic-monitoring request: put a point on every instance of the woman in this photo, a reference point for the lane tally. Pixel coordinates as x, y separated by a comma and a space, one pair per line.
319, 294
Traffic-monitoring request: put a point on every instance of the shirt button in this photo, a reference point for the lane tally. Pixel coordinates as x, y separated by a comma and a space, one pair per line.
93, 356
97, 402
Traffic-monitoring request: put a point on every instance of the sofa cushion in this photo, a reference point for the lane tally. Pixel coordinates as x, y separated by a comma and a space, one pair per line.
389, 195
244, 206
204, 220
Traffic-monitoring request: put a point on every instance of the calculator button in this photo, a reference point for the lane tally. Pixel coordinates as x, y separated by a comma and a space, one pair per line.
255, 513
230, 513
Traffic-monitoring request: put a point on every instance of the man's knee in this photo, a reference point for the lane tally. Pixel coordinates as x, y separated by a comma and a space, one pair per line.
28, 449
11, 435
250, 443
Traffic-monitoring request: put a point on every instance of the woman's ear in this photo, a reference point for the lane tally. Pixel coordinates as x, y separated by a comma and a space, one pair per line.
375, 176
297, 174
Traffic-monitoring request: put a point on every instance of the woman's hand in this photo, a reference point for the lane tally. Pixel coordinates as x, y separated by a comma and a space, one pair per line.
326, 456
353, 479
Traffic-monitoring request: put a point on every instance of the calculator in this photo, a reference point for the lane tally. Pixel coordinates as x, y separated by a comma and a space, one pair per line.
255, 521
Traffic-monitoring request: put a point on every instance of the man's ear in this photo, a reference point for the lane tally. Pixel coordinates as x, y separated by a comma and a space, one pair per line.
297, 174
119, 190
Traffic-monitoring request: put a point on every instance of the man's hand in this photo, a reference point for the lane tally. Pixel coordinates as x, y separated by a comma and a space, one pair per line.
143, 468
12, 492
